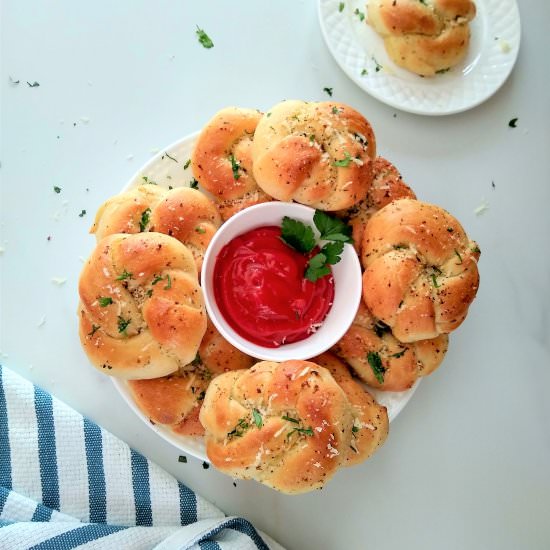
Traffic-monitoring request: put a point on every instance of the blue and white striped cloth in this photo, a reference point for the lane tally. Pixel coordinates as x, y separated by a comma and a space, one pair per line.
67, 483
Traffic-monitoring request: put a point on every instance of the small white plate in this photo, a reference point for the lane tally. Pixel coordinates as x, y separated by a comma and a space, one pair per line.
166, 169
493, 51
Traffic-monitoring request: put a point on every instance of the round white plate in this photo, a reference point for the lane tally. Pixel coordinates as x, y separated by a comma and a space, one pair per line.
166, 169
360, 52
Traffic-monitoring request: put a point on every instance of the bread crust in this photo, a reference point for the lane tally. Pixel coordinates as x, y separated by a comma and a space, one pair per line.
183, 213
425, 37
420, 269
141, 308
318, 154
403, 363
222, 160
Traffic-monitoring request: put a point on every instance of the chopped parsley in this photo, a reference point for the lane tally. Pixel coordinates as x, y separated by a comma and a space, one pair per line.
317, 267
459, 256
123, 324
200, 230
194, 184
187, 164
170, 157
14, 81
336, 111
381, 328
476, 250
33, 85
168, 285
304, 431
239, 429
57, 189
123, 276
147, 180
443, 71
376, 365
104, 301
513, 123
434, 281
399, 353
235, 165
364, 72
328, 91
290, 419
82, 213
204, 39
341, 7
145, 218
182, 458
343, 162
257, 418
359, 14
157, 279
377, 66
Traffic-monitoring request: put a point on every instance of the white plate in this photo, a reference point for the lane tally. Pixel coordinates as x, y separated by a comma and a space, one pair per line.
165, 172
491, 56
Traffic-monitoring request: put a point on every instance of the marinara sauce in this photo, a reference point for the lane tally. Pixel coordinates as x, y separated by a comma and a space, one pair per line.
260, 288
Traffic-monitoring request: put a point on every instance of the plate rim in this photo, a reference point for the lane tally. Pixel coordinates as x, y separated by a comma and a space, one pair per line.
418, 111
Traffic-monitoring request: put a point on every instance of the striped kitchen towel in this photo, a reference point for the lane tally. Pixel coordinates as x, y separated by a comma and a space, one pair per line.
67, 483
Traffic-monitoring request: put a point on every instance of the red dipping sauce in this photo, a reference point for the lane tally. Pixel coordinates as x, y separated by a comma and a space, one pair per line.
260, 288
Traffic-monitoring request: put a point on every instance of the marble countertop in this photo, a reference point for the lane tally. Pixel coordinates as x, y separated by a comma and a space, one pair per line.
467, 462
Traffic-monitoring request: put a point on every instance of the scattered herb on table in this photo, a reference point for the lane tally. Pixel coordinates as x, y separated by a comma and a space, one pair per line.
14, 82
82, 213
182, 458
57, 189
239, 429
194, 184
364, 72
33, 85
204, 39
187, 164
205, 465
513, 123
359, 14
377, 66
341, 7
170, 157
399, 353
328, 91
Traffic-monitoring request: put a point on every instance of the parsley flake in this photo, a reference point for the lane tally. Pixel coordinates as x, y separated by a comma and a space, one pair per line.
239, 429
194, 184
364, 72
123, 324
168, 285
257, 418
341, 7
57, 189
204, 39
235, 165
123, 276
170, 157
328, 91
145, 218
459, 256
95, 328
376, 365
82, 213
104, 301
182, 458
359, 14
513, 123
187, 164
343, 162
33, 85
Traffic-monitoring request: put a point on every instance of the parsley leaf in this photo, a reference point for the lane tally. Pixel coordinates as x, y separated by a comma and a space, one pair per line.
235, 165
332, 251
170, 157
257, 418
197, 361
104, 301
297, 235
343, 162
289, 419
123, 323
317, 267
239, 429
124, 275
332, 229
376, 365
204, 39
144, 221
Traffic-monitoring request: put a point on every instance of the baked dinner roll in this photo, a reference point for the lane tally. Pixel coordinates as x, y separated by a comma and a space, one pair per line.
141, 308
382, 361
183, 213
175, 400
287, 425
420, 270
319, 154
387, 186
371, 426
222, 160
423, 36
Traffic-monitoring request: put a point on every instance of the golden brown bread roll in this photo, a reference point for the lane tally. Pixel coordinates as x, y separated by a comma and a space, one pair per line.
222, 161
141, 308
387, 186
371, 426
319, 154
420, 269
183, 213
175, 400
287, 425
423, 36
369, 346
